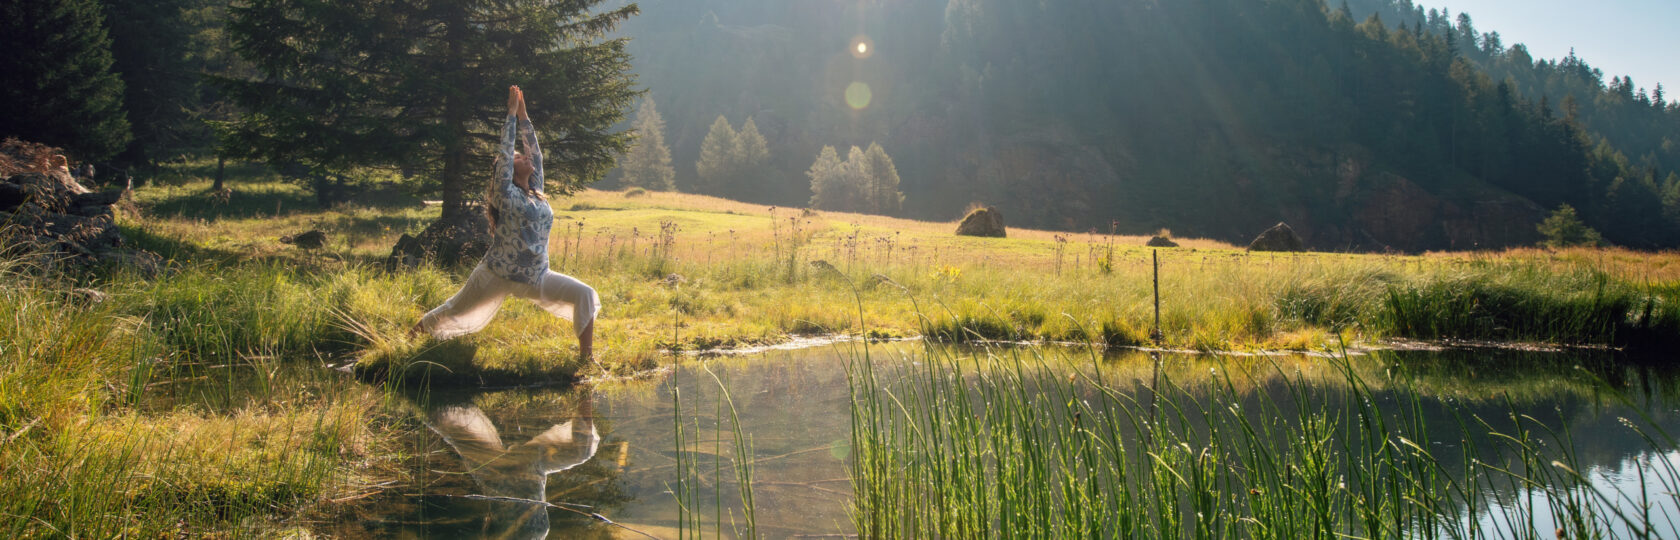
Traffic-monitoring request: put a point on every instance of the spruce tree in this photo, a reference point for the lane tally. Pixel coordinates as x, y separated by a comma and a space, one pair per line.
882, 178
827, 175
1564, 229
648, 164
752, 160
60, 89
717, 163
421, 85
151, 44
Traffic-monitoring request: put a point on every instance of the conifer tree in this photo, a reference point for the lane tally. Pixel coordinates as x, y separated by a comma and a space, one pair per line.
60, 89
882, 178
422, 85
648, 164
829, 186
734, 164
1564, 229
717, 150
752, 157
151, 45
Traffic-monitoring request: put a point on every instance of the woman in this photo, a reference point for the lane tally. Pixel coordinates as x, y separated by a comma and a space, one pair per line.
517, 262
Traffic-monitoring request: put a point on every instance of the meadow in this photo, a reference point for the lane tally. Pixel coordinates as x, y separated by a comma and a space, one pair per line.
205, 398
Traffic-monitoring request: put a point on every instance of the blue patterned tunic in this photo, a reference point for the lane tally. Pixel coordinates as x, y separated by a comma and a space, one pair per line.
519, 243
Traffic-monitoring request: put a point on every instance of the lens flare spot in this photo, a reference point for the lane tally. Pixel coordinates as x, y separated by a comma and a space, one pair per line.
862, 47
858, 95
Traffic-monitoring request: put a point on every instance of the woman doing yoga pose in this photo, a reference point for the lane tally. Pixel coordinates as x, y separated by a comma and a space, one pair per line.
517, 262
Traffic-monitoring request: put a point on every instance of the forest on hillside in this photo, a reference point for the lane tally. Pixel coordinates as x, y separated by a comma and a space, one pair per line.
1374, 125
1366, 125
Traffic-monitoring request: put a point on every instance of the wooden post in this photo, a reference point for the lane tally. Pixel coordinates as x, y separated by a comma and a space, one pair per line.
1155, 333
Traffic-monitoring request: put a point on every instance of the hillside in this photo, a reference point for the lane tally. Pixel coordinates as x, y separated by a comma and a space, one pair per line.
1215, 118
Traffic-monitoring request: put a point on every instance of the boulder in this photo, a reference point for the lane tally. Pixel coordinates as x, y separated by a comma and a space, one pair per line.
56, 221
1161, 241
1278, 238
314, 239
449, 241
11, 196
983, 222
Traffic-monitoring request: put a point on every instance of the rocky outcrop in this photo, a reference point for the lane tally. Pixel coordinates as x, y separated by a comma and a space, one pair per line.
983, 222
450, 241
51, 220
1278, 238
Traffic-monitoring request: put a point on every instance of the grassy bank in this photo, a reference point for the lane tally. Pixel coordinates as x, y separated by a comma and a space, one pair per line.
686, 272
142, 412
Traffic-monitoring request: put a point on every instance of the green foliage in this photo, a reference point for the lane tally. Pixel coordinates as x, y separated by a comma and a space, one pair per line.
867, 181
735, 164
152, 45
648, 164
422, 86
60, 89
1564, 229
717, 157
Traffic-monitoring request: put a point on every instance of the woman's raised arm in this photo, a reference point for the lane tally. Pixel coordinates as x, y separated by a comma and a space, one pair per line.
504, 154
528, 134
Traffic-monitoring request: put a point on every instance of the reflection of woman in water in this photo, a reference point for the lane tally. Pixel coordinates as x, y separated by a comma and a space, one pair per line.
519, 471
517, 262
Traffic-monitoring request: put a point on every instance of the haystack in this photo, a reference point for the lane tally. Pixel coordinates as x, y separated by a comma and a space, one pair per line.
983, 222
1278, 238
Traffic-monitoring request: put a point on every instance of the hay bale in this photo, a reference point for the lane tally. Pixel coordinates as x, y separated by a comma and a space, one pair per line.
1278, 238
986, 222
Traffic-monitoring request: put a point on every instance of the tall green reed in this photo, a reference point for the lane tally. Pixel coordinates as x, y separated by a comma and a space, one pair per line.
1012, 443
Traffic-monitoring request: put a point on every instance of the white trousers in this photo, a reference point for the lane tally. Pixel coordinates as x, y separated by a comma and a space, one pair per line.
482, 295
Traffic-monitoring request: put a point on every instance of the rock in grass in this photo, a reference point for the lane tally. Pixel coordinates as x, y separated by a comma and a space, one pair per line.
1161, 241
314, 239
449, 241
1278, 238
983, 222
51, 219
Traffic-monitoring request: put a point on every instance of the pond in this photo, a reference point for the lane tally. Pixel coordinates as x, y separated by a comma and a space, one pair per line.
610, 450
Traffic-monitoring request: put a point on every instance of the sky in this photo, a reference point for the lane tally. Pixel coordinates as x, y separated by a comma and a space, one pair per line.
1639, 38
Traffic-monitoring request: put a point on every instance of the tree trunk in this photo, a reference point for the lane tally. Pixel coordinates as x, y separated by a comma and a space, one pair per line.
221, 165
454, 119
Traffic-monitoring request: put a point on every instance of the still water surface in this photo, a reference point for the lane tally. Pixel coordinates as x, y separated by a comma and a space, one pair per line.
609, 449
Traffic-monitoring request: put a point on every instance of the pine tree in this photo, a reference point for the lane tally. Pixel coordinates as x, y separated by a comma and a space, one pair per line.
829, 187
752, 157
717, 163
882, 178
648, 164
1564, 229
151, 44
857, 181
422, 85
60, 89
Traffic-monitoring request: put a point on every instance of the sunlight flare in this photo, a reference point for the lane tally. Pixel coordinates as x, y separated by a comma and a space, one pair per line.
858, 95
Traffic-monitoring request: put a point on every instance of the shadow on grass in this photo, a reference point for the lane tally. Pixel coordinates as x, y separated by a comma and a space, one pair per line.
461, 363
171, 249
263, 200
